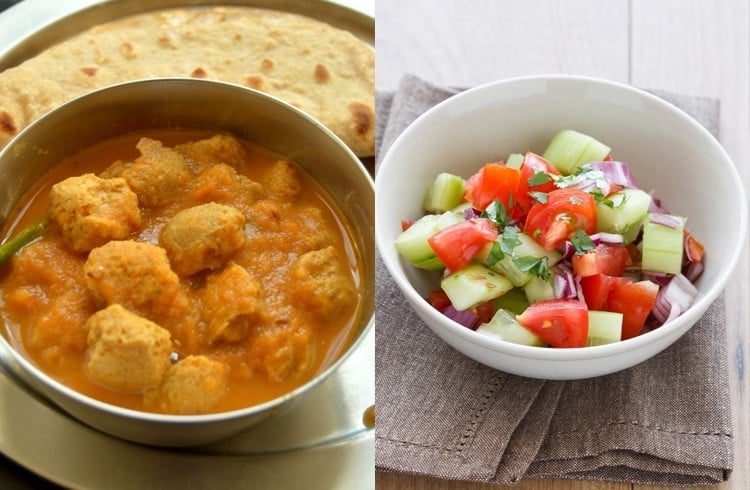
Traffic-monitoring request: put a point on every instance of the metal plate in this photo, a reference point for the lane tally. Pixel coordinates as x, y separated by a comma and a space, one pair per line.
336, 451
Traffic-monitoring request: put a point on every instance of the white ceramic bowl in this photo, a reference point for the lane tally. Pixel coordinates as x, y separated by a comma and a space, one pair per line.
199, 104
668, 151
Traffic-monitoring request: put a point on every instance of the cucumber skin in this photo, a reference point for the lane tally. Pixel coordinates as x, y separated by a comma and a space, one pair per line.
444, 193
474, 284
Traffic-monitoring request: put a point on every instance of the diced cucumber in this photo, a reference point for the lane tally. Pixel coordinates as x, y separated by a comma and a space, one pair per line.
527, 247
662, 246
444, 193
515, 160
504, 326
537, 289
623, 212
474, 284
459, 210
605, 327
412, 243
596, 151
514, 301
570, 149
504, 266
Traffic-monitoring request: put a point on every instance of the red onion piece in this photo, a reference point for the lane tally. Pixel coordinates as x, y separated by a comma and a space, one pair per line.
616, 173
471, 213
693, 253
610, 238
567, 249
564, 285
579, 289
655, 206
564, 266
467, 318
665, 220
660, 278
674, 299
694, 270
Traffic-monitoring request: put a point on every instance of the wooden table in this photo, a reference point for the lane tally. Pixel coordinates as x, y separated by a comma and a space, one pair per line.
694, 47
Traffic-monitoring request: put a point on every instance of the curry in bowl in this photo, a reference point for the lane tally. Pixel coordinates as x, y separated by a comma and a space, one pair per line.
181, 272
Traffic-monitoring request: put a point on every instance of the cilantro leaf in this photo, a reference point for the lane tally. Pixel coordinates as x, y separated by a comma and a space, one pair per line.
496, 254
496, 213
622, 202
540, 197
510, 240
600, 198
582, 242
539, 178
537, 266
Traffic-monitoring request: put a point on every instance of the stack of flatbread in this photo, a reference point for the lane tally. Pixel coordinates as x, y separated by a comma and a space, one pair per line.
326, 72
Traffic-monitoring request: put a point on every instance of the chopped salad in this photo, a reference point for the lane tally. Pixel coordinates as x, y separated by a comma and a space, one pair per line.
561, 249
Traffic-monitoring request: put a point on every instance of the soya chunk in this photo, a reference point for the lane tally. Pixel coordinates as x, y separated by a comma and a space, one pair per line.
230, 304
321, 283
220, 148
282, 349
134, 274
158, 175
203, 237
193, 386
90, 211
126, 352
222, 184
284, 181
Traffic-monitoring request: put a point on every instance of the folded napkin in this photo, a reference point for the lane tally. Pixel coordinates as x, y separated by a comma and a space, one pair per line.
664, 421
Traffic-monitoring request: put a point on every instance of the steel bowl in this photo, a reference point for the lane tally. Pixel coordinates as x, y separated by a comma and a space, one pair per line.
196, 104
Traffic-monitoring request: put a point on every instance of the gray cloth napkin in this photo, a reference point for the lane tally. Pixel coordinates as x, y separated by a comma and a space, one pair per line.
664, 421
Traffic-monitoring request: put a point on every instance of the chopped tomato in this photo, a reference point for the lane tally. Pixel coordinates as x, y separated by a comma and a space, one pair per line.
693, 248
438, 299
485, 311
406, 224
532, 164
635, 301
566, 211
559, 322
596, 289
457, 245
609, 259
493, 181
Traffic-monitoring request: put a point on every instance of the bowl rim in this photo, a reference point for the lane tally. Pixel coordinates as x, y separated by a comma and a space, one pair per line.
551, 354
6, 348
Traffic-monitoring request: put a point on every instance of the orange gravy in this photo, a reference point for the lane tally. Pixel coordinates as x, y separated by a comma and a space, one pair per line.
47, 323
